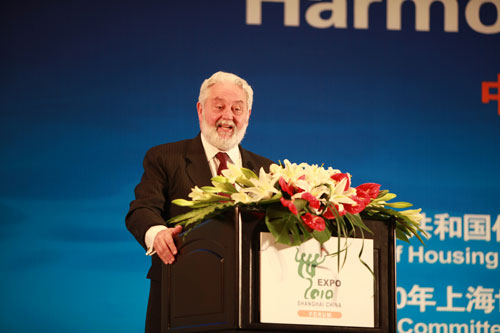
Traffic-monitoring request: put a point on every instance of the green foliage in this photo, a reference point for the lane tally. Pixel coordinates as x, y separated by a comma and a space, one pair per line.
200, 214
284, 226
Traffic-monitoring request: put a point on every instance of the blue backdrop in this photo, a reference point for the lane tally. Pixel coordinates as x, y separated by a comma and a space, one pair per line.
88, 86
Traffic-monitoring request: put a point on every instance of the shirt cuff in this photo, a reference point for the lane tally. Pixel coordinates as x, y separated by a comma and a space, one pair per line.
150, 236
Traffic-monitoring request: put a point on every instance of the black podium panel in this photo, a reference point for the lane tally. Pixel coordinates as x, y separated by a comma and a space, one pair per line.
199, 289
213, 286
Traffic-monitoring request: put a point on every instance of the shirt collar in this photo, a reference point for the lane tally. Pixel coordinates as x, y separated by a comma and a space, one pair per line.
211, 151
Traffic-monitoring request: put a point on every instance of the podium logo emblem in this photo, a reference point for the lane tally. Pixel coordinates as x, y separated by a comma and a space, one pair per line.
320, 291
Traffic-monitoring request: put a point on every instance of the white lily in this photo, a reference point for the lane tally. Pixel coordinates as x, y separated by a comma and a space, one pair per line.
232, 173
263, 187
241, 197
339, 196
197, 194
413, 214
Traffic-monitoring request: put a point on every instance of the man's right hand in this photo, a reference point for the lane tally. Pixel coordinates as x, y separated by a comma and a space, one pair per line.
164, 244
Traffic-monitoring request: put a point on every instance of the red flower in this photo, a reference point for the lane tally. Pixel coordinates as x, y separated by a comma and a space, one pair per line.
313, 202
285, 187
330, 212
371, 188
290, 189
313, 221
362, 199
338, 178
289, 204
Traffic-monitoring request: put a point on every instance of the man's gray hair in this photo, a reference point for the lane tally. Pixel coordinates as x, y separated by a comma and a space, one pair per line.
226, 77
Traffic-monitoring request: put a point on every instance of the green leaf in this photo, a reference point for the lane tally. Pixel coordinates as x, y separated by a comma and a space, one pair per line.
356, 220
336, 253
226, 188
388, 196
209, 189
344, 234
322, 236
382, 193
201, 204
273, 199
300, 204
305, 232
214, 198
361, 253
198, 215
280, 222
296, 236
244, 182
248, 173
219, 179
401, 236
404, 225
183, 202
339, 232
400, 204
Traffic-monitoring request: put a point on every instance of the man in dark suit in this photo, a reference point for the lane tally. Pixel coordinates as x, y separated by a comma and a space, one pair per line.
171, 170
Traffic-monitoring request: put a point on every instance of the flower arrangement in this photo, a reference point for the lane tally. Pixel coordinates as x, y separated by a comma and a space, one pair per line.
300, 202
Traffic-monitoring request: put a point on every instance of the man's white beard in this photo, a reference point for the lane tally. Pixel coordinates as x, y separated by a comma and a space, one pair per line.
223, 143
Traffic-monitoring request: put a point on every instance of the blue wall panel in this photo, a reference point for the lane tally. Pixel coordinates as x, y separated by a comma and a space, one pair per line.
87, 87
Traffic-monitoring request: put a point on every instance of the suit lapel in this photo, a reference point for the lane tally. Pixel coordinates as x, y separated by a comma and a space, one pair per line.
197, 167
247, 161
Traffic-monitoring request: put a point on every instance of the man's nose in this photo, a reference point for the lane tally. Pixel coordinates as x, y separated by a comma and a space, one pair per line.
227, 113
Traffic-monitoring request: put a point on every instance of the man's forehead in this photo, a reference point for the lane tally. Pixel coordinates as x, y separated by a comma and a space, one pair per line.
226, 99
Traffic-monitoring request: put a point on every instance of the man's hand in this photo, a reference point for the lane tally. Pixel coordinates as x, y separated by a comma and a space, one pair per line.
164, 244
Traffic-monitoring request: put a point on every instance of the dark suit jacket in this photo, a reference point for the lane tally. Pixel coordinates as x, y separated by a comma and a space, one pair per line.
170, 171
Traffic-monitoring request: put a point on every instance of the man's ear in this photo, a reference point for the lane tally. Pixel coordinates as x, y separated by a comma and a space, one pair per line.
199, 108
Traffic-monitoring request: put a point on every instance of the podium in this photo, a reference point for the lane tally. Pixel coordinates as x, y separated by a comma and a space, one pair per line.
214, 284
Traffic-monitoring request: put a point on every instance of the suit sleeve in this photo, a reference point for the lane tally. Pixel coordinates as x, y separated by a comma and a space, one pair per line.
147, 209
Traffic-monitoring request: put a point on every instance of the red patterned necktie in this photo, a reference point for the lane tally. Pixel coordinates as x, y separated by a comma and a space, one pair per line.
223, 158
